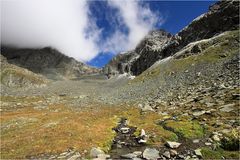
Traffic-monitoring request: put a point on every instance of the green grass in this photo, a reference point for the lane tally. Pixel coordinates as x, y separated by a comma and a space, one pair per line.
187, 129
219, 153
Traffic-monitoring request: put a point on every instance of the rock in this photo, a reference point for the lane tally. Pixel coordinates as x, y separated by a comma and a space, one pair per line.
143, 137
208, 144
173, 145
143, 133
198, 113
151, 154
95, 152
216, 138
129, 155
125, 130
137, 153
19, 104
103, 156
62, 94
227, 108
167, 154
136, 158
226, 131
147, 107
173, 152
236, 96
75, 157
198, 153
142, 141
196, 141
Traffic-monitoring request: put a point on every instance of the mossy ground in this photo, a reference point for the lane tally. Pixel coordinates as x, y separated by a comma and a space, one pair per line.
187, 129
31, 132
218, 154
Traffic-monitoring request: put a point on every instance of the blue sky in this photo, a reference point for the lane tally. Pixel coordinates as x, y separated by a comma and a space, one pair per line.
176, 15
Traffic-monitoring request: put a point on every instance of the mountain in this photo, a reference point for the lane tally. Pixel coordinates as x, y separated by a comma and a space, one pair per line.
222, 16
48, 62
183, 102
13, 76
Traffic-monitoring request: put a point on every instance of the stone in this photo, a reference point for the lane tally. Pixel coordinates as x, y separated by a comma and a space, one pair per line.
137, 153
208, 144
129, 155
75, 157
167, 154
196, 141
236, 96
173, 145
95, 152
173, 152
125, 130
143, 133
147, 107
226, 131
142, 141
136, 158
227, 108
151, 154
198, 113
198, 153
62, 94
103, 156
216, 138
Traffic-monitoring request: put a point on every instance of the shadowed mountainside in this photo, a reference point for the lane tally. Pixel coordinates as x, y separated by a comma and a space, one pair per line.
48, 62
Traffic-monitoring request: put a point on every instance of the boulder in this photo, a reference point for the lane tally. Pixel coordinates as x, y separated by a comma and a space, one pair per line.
151, 154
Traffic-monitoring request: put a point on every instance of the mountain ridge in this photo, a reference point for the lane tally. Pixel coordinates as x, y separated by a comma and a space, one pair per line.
48, 62
222, 16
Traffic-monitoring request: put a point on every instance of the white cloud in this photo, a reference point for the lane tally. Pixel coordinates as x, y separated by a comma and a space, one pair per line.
60, 24
68, 26
138, 18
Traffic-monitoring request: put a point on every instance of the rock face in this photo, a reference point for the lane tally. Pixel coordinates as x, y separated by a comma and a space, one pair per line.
222, 16
144, 55
149, 49
48, 62
121, 63
14, 76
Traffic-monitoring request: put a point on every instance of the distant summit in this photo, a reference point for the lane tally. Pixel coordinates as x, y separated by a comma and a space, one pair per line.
48, 62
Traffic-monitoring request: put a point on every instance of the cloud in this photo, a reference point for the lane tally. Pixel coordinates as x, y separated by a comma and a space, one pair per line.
62, 24
139, 20
70, 27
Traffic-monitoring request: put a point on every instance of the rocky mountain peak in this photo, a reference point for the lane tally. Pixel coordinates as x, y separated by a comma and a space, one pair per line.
158, 44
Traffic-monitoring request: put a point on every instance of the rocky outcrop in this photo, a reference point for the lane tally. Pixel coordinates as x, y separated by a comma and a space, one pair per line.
149, 49
48, 62
14, 76
222, 16
144, 55
120, 64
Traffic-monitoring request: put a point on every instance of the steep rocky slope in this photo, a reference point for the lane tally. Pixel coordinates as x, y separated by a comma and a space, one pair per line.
222, 16
14, 76
48, 62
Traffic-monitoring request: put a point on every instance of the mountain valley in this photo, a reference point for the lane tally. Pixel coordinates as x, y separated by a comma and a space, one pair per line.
172, 97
